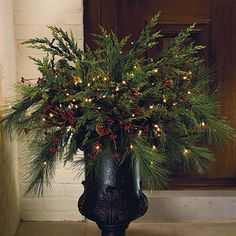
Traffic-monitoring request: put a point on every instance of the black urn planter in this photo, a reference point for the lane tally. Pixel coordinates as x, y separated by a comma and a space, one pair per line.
113, 198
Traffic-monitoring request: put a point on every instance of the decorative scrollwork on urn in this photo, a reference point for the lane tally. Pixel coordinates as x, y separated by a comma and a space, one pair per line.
111, 207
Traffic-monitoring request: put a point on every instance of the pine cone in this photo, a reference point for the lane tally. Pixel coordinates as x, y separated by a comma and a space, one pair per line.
138, 111
134, 91
169, 84
101, 130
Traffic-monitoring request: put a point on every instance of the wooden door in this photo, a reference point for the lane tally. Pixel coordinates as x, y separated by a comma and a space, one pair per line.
216, 20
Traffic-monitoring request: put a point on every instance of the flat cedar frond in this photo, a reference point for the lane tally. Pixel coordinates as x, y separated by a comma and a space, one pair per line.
147, 39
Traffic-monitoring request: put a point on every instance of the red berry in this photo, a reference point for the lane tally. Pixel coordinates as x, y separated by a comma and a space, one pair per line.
113, 137
115, 155
72, 122
53, 150
131, 137
91, 155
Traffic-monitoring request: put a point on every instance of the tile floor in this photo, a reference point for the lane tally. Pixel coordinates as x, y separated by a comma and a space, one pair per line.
197, 228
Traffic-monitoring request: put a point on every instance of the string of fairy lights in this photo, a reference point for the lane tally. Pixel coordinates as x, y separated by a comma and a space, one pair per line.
73, 105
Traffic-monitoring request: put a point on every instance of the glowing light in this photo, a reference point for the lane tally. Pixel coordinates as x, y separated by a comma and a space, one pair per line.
139, 132
99, 108
105, 78
189, 92
135, 67
131, 146
51, 115
186, 152
185, 78
151, 163
67, 94
104, 96
97, 147
117, 89
164, 100
154, 147
157, 127
76, 106
77, 80
123, 82
88, 84
132, 43
68, 129
203, 124
156, 70
90, 100
151, 107
44, 119
133, 115
174, 103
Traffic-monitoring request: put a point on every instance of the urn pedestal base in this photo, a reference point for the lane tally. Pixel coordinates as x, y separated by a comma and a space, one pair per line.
112, 196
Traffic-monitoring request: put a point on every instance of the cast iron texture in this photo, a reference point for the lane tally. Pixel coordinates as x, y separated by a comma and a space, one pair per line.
112, 197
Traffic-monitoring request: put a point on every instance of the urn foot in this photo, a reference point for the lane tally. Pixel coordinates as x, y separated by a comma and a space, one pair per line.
113, 230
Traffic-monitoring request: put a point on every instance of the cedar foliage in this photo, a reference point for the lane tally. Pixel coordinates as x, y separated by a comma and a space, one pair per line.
159, 110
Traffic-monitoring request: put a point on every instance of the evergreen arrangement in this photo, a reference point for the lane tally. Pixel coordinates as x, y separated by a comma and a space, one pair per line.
159, 111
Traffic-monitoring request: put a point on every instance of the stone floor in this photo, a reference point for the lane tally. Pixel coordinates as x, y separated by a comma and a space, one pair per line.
193, 228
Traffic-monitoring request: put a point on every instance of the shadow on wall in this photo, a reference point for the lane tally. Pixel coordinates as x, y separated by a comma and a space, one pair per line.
9, 204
